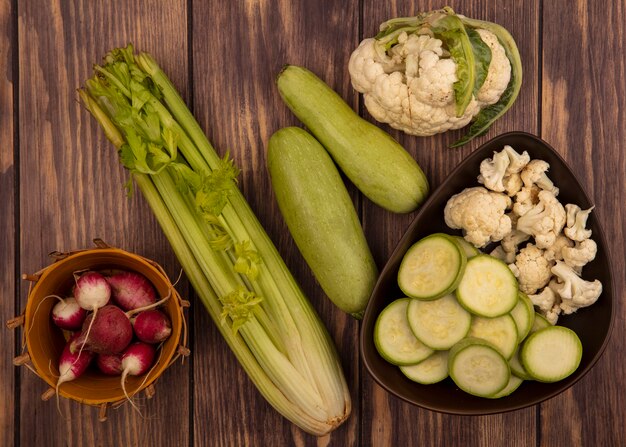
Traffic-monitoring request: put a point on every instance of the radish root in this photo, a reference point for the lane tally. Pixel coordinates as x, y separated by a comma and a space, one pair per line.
130, 313
125, 374
93, 318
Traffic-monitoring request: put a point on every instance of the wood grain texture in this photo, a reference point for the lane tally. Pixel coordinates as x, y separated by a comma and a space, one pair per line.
238, 50
385, 418
584, 91
7, 223
71, 190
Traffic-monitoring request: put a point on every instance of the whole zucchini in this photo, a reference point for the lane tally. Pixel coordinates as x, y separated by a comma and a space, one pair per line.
376, 163
321, 218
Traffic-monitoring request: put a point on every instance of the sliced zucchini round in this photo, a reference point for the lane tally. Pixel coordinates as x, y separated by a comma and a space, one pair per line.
478, 368
539, 323
514, 383
499, 331
469, 250
517, 368
439, 324
488, 287
552, 353
393, 337
432, 370
432, 267
524, 315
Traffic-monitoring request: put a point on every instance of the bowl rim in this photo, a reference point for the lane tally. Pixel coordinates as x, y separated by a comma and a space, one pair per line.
599, 234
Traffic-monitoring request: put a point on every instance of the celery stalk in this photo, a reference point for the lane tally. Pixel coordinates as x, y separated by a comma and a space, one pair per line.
241, 211
229, 259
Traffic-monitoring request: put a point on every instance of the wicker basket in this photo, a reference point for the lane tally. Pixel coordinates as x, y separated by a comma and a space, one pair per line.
43, 342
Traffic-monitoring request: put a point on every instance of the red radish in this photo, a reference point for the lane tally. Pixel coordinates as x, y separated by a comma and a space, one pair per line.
131, 290
72, 365
67, 314
136, 360
92, 291
107, 332
110, 364
152, 326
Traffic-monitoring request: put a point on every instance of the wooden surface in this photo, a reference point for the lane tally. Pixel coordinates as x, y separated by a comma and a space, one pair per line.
61, 186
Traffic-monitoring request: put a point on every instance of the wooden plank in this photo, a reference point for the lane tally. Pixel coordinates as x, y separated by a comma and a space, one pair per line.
387, 420
584, 86
238, 49
71, 191
7, 222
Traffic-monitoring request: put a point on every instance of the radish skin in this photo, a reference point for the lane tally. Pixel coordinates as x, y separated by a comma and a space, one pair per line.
131, 290
107, 332
72, 365
136, 360
109, 364
152, 326
92, 291
68, 315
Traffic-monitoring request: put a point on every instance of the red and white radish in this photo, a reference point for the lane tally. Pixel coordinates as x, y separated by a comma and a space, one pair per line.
152, 326
92, 291
131, 290
109, 364
136, 360
107, 332
67, 314
72, 365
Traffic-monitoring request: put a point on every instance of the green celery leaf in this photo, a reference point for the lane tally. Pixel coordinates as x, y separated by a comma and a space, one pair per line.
239, 306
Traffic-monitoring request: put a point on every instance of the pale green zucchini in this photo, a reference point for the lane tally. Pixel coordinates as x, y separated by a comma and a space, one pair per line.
376, 163
321, 218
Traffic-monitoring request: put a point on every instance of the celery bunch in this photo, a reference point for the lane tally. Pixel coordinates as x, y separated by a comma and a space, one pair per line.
227, 256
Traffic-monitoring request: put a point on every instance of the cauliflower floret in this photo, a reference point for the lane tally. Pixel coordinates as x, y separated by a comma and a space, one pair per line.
502, 255
576, 223
512, 184
555, 251
547, 303
574, 291
501, 173
498, 74
579, 255
492, 171
412, 87
517, 161
525, 199
534, 173
511, 241
480, 214
532, 269
544, 221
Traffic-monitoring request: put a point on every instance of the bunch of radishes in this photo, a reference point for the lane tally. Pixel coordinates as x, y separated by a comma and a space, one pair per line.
107, 312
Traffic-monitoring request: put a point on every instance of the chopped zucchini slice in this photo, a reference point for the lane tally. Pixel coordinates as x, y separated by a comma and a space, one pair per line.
552, 353
488, 287
432, 370
432, 267
478, 368
439, 324
499, 331
393, 338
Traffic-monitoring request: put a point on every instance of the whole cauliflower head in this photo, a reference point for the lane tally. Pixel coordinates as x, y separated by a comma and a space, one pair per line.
480, 213
411, 86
